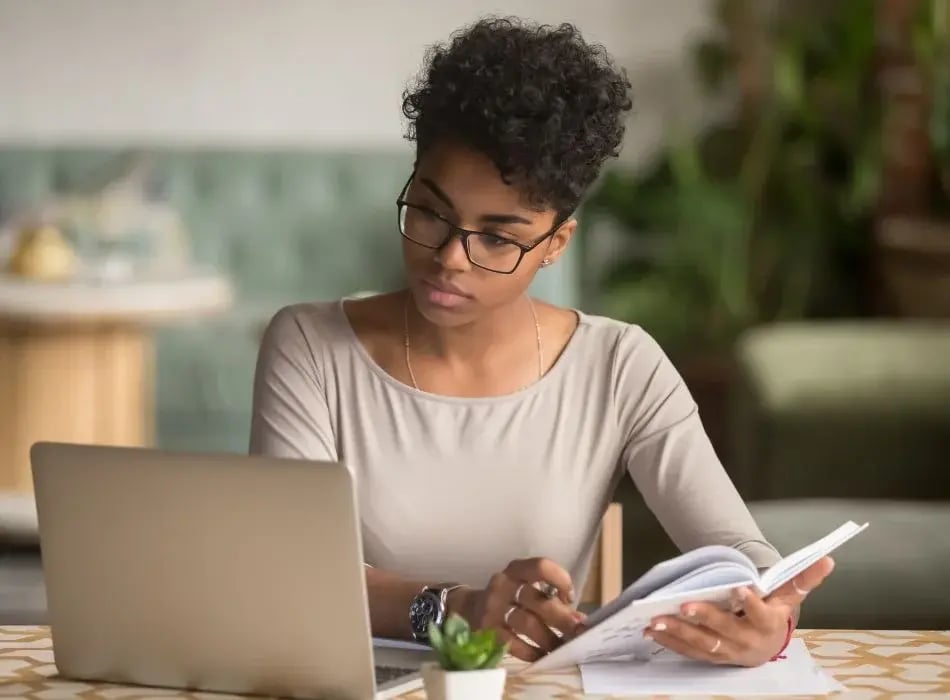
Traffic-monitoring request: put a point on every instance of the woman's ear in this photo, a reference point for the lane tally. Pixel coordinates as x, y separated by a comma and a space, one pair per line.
557, 244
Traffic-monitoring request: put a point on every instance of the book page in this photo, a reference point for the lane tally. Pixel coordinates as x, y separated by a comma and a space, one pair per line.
709, 576
798, 561
621, 635
669, 571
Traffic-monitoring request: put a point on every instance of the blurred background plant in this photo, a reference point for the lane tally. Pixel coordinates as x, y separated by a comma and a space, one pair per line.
768, 213
935, 54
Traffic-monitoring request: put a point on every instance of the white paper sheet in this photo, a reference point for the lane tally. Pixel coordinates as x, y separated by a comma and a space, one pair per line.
668, 673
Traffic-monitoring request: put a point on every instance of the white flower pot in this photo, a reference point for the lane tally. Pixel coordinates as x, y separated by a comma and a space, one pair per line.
440, 684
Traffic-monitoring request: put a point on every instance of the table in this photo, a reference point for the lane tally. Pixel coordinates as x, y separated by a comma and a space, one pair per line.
76, 360
872, 664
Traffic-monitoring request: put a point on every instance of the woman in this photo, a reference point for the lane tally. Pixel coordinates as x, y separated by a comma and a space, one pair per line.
487, 431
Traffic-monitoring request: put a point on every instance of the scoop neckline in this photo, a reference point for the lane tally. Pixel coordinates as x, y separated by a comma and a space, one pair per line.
556, 369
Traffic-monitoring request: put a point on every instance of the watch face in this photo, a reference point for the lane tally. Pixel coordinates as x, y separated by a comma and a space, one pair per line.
425, 608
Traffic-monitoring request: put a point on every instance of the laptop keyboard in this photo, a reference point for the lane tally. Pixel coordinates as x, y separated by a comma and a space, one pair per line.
384, 674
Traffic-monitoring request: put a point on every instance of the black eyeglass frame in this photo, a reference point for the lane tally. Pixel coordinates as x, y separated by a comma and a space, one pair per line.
464, 233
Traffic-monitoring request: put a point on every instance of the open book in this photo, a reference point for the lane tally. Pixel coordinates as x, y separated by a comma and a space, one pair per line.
706, 574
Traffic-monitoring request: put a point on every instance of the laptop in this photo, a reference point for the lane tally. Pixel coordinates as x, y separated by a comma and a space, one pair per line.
228, 573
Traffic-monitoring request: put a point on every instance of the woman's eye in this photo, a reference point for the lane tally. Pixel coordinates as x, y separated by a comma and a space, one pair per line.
497, 241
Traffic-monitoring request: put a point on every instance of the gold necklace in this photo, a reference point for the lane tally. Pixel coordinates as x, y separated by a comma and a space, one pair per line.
537, 330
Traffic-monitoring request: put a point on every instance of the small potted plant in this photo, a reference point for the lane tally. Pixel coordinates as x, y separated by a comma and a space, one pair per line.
467, 666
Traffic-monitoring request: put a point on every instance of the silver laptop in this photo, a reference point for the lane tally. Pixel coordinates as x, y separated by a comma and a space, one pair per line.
209, 572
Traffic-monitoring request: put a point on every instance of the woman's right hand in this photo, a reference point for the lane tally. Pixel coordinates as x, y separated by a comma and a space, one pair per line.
513, 606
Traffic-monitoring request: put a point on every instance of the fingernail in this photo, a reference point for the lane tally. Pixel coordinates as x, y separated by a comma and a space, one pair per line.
660, 626
690, 612
579, 616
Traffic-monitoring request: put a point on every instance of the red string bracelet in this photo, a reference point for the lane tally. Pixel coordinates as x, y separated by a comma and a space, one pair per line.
788, 639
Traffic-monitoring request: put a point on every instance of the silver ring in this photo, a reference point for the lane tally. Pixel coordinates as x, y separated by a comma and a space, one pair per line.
508, 614
716, 646
798, 590
518, 594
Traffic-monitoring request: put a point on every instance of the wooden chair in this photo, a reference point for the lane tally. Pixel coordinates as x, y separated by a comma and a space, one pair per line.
605, 580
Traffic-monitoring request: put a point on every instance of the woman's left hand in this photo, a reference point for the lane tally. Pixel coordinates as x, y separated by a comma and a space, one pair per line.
708, 633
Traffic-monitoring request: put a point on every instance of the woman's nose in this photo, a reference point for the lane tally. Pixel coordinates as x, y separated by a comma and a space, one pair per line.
452, 254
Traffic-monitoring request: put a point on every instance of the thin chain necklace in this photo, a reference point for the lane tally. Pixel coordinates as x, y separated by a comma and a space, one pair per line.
537, 330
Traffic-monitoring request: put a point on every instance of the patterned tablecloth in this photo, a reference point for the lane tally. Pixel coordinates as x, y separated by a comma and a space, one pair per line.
872, 664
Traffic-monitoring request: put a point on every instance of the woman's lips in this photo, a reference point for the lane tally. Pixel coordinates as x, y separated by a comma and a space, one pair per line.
444, 296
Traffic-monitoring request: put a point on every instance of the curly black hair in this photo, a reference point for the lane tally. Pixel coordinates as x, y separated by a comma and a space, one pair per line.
544, 105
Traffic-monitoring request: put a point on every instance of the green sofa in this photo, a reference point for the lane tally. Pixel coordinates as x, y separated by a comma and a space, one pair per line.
833, 422
844, 421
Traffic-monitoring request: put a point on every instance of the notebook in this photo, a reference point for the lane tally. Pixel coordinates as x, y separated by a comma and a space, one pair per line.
707, 574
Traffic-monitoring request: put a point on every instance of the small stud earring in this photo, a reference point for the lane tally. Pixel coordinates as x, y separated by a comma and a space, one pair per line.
545, 262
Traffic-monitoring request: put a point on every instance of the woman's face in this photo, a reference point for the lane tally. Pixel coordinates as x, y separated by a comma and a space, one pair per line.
462, 186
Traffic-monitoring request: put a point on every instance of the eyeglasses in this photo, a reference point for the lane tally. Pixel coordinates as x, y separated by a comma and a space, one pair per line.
488, 251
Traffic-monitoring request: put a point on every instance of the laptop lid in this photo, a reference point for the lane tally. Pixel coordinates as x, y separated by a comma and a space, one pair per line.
231, 573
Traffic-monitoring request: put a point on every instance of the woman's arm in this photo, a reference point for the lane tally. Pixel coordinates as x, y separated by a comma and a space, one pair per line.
390, 596
291, 418
670, 457
673, 464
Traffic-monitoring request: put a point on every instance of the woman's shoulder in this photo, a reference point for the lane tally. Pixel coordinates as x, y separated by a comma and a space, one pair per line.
648, 389
621, 340
321, 325
636, 365
311, 319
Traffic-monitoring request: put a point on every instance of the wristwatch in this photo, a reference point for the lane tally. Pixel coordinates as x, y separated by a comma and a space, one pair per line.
429, 606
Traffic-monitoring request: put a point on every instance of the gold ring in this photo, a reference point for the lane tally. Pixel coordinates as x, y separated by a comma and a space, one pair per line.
716, 646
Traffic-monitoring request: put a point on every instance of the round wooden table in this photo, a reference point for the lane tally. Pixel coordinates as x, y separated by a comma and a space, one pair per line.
76, 360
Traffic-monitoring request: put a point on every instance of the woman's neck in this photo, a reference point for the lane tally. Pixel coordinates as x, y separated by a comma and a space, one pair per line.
473, 341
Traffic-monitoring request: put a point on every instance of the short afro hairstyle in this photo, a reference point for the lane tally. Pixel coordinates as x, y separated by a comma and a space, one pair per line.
544, 105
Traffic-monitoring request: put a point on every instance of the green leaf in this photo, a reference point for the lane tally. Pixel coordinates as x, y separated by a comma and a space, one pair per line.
788, 76
461, 658
444, 660
438, 643
455, 627
436, 639
495, 658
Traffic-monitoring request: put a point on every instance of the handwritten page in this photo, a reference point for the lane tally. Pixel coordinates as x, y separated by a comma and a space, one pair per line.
667, 673
621, 635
